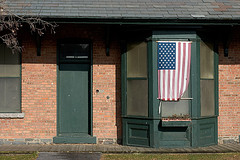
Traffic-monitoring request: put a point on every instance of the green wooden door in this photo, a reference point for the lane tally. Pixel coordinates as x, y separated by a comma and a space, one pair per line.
74, 121
74, 99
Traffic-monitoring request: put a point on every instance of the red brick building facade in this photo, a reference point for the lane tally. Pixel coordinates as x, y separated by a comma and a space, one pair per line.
39, 88
39, 85
38, 121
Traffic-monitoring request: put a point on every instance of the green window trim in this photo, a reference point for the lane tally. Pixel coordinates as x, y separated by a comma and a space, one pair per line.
163, 36
194, 84
137, 79
162, 132
213, 78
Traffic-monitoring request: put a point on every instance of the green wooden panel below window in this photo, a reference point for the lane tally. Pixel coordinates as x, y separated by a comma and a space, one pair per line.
175, 123
204, 132
174, 133
137, 132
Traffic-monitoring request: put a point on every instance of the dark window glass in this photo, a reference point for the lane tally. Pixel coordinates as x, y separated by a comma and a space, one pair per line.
10, 95
75, 51
9, 80
207, 97
137, 97
137, 79
207, 79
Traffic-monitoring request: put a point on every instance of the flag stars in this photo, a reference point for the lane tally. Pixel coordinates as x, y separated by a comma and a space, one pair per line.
166, 51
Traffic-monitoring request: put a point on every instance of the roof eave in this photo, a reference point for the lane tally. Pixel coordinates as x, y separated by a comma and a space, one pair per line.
144, 20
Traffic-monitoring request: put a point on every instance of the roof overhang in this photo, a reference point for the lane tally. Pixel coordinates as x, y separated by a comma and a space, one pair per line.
144, 21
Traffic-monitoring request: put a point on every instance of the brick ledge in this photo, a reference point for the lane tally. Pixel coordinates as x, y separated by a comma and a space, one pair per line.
12, 115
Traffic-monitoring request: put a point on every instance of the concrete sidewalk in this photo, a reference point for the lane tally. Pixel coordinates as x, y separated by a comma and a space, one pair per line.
232, 147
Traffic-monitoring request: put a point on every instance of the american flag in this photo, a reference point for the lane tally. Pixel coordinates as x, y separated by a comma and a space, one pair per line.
173, 69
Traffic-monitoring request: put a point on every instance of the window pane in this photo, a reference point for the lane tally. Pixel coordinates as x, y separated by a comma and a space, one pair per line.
2, 54
2, 65
179, 108
76, 51
9, 71
137, 97
137, 60
206, 60
9, 63
10, 95
11, 58
207, 98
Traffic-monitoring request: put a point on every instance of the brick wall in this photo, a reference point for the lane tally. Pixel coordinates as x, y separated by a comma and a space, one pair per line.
229, 91
39, 85
106, 79
106, 102
39, 88
38, 94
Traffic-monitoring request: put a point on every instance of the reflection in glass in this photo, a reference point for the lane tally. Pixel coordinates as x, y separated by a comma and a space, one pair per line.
207, 98
9, 63
179, 108
9, 80
137, 97
206, 60
10, 94
70, 51
137, 60
207, 86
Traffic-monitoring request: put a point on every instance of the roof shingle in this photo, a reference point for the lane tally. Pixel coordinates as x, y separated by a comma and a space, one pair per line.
129, 9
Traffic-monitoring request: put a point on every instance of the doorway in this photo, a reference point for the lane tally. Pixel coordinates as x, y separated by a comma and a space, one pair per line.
74, 122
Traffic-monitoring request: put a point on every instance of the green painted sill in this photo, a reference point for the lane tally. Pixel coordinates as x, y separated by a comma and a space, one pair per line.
176, 122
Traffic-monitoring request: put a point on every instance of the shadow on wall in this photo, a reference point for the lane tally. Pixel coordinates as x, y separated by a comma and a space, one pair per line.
229, 87
232, 43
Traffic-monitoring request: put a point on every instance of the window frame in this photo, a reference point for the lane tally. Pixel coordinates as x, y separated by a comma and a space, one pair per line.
197, 127
17, 114
211, 40
124, 79
195, 105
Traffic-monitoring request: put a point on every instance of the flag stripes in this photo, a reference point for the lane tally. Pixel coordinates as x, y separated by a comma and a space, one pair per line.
173, 69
